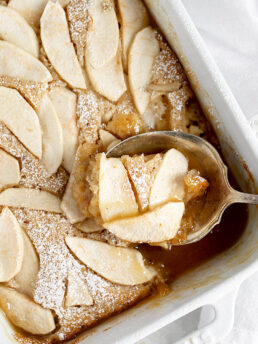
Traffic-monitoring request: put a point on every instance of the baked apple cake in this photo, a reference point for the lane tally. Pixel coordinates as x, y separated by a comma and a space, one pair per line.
76, 77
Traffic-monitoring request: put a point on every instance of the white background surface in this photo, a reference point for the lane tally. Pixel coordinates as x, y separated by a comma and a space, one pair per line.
230, 30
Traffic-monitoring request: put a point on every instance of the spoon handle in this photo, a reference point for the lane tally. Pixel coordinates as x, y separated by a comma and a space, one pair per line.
241, 197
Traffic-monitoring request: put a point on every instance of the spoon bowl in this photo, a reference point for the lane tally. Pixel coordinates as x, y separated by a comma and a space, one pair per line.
219, 195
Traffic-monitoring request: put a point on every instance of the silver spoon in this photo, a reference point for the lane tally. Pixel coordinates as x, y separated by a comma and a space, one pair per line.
220, 194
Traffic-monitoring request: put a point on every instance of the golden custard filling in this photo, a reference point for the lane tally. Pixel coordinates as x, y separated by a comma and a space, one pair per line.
77, 77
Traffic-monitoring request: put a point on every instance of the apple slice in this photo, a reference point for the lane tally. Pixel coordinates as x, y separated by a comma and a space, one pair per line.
52, 135
160, 224
64, 102
168, 184
89, 226
10, 170
25, 313
116, 197
139, 177
117, 264
32, 10
17, 63
77, 292
27, 276
142, 53
30, 198
134, 18
21, 119
107, 139
69, 206
58, 46
103, 35
15, 29
107, 80
11, 246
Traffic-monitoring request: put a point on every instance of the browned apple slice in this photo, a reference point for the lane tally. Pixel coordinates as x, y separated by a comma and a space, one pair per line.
109, 79
120, 265
69, 206
11, 246
9, 171
160, 224
142, 52
30, 198
21, 119
58, 46
64, 102
52, 135
89, 226
25, 313
77, 292
17, 63
107, 139
168, 184
103, 35
134, 18
113, 180
27, 276
15, 29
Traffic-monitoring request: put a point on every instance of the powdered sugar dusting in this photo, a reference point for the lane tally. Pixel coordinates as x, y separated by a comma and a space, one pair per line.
166, 67
79, 20
89, 116
31, 91
47, 232
33, 173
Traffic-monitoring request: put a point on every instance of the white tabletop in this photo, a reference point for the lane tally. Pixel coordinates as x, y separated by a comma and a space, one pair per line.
230, 30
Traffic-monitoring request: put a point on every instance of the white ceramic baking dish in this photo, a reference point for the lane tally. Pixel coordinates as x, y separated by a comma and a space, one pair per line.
216, 281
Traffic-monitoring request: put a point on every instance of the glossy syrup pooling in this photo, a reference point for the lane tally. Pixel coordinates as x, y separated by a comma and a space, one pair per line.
181, 259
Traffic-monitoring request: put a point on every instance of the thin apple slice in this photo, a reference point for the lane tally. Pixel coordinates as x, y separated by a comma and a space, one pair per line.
15, 29
64, 102
21, 119
160, 224
142, 52
10, 170
113, 180
25, 313
109, 79
89, 226
117, 264
107, 139
52, 135
103, 35
77, 292
58, 46
32, 10
11, 246
134, 18
69, 206
30, 198
27, 276
17, 63
168, 184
